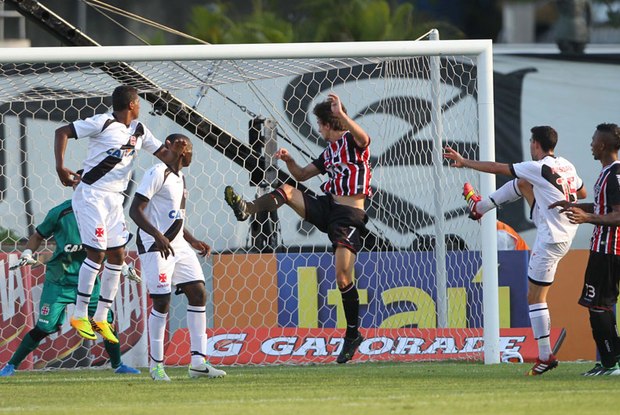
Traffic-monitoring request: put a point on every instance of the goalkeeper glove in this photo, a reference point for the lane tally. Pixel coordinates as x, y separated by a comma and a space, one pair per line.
130, 272
25, 259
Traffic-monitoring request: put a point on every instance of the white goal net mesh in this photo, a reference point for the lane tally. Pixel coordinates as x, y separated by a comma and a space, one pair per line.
271, 280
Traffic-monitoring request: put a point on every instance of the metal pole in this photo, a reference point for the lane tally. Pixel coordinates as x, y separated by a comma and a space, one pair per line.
490, 291
438, 180
81, 16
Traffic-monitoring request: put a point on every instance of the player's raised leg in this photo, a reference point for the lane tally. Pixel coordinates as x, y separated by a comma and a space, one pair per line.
478, 205
266, 203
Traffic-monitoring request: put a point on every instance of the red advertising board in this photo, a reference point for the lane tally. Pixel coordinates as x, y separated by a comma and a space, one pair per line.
19, 307
286, 345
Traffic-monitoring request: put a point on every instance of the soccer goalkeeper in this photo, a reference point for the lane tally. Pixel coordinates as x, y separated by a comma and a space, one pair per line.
61, 285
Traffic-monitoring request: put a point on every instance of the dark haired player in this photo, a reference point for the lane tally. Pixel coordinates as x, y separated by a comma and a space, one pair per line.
600, 288
339, 212
60, 286
168, 257
114, 140
545, 179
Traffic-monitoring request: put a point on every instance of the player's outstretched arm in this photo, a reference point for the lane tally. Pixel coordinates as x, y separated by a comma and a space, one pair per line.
61, 137
565, 205
299, 173
484, 166
577, 215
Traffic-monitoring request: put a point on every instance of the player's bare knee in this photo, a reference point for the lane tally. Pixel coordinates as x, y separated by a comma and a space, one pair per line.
116, 256
536, 297
196, 294
287, 190
161, 303
95, 255
343, 279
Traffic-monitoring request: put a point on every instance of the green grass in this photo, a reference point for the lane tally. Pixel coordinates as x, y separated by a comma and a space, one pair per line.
365, 388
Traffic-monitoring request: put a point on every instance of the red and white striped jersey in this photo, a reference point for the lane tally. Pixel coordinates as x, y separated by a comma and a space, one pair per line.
605, 239
347, 167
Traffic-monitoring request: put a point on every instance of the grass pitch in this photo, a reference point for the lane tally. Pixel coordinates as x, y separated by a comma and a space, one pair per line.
364, 388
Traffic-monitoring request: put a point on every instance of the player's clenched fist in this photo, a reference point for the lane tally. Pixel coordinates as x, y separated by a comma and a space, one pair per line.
283, 154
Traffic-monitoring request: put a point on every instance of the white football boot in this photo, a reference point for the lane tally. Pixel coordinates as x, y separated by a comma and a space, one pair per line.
205, 370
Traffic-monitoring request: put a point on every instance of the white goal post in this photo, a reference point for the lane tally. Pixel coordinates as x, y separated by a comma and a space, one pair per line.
274, 275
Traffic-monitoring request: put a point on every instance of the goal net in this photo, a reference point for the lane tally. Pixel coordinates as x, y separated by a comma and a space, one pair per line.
425, 274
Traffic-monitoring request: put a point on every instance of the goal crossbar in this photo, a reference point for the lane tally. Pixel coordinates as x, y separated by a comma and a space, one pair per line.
246, 51
480, 49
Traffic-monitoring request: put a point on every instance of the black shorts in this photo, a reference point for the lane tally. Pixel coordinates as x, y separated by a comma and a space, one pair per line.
343, 224
600, 288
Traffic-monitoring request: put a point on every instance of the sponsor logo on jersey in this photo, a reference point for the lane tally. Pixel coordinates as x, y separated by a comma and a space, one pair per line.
120, 153
176, 214
73, 248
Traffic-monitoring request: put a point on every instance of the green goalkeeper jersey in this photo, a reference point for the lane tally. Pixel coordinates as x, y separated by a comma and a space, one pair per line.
64, 266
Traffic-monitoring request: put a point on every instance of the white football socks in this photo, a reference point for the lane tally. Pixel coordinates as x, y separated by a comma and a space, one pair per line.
86, 281
110, 278
541, 327
197, 325
157, 331
509, 192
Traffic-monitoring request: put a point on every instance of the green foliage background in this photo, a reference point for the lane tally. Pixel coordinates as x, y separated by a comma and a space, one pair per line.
277, 21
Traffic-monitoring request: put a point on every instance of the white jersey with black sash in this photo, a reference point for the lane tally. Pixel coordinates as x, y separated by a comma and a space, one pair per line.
165, 192
112, 148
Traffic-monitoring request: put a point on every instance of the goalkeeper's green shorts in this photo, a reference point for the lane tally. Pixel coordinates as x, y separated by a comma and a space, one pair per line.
54, 301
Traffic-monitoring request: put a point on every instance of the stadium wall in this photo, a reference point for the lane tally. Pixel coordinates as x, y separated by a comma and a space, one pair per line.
290, 316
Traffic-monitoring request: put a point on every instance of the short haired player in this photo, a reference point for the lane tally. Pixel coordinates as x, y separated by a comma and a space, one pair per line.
60, 286
115, 138
545, 179
602, 277
167, 256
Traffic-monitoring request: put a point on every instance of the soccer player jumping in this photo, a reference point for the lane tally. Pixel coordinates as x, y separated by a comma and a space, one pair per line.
114, 140
339, 212
545, 179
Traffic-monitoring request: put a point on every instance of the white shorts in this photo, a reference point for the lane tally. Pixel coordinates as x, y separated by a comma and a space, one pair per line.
544, 261
100, 217
160, 274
